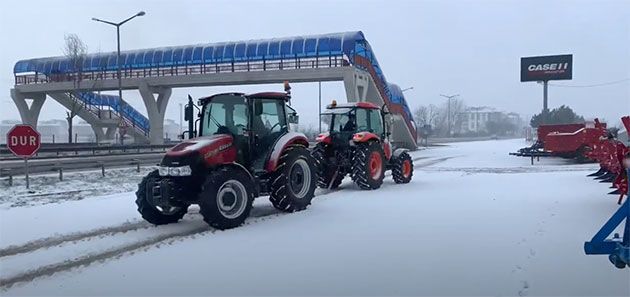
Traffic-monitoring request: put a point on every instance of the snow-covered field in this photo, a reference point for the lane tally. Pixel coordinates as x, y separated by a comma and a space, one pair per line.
474, 221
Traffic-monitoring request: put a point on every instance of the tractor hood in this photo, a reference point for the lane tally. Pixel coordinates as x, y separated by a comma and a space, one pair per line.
214, 149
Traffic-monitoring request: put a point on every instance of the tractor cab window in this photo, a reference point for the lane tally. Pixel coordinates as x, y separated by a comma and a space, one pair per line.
225, 114
362, 120
376, 122
268, 117
341, 120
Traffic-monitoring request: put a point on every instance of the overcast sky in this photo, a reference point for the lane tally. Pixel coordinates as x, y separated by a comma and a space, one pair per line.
472, 48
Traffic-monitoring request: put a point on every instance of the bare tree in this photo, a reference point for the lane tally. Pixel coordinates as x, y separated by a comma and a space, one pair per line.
76, 52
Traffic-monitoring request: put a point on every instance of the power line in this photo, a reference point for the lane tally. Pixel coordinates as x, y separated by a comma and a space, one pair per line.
594, 85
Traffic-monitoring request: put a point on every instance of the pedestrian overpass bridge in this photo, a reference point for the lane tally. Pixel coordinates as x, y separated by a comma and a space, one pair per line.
345, 57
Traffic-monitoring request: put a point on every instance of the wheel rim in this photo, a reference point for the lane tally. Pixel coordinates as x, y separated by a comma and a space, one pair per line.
376, 165
300, 178
406, 168
232, 199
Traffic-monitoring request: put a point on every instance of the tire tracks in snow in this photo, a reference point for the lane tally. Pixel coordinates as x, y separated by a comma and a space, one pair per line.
117, 252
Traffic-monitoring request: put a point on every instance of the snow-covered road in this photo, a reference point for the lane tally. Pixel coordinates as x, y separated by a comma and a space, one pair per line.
474, 221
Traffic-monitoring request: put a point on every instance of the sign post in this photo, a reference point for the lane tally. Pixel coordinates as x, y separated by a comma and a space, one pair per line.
546, 68
23, 141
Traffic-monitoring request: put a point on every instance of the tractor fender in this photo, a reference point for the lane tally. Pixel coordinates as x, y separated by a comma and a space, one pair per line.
282, 143
361, 137
398, 152
239, 167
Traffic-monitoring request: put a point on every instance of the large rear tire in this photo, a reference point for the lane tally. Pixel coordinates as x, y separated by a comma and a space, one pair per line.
294, 181
226, 198
148, 211
368, 166
402, 169
328, 175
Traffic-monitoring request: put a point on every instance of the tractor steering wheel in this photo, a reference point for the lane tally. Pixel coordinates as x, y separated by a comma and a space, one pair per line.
276, 124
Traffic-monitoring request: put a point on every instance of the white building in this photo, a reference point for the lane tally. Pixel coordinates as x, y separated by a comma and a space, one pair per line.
475, 119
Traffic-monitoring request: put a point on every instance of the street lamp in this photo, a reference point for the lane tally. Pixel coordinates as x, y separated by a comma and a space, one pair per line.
406, 89
448, 114
117, 25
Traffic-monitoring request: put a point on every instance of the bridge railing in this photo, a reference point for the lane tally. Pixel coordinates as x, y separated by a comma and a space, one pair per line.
325, 61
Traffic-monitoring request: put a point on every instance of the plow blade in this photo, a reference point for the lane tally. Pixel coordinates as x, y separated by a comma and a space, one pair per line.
615, 192
598, 173
605, 176
608, 180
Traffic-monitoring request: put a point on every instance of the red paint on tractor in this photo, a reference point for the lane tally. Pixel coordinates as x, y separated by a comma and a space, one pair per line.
215, 149
324, 138
364, 137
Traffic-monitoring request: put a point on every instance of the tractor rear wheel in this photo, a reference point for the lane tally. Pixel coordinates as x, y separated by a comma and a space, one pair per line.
294, 181
150, 212
329, 175
368, 166
402, 169
226, 198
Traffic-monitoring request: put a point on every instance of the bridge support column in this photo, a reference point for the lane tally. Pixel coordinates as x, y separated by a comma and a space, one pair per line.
110, 133
98, 133
29, 115
356, 83
156, 107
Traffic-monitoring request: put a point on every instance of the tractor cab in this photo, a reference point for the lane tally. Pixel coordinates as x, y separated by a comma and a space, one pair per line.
350, 120
254, 121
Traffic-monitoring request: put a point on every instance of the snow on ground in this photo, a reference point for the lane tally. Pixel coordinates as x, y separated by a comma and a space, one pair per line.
47, 188
474, 221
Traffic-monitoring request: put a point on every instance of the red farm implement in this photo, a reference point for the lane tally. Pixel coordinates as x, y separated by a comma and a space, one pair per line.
614, 159
610, 154
566, 140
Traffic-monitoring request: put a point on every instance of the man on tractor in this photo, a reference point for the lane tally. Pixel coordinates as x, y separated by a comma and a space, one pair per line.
357, 143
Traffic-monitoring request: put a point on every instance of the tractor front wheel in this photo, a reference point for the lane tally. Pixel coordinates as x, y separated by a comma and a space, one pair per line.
294, 181
226, 198
368, 166
402, 169
146, 207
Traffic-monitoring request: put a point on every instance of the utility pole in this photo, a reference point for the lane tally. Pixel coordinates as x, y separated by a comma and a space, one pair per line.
448, 114
118, 70
320, 107
181, 121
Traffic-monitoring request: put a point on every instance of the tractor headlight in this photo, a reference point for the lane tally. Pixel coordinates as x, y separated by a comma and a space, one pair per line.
175, 171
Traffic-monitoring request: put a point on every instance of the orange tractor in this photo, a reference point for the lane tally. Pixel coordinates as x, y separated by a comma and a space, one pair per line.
357, 144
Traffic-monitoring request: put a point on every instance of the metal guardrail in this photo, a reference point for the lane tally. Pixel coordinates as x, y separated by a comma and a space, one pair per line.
52, 150
16, 167
324, 61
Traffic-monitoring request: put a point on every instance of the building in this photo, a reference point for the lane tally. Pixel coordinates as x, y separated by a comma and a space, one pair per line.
485, 120
475, 119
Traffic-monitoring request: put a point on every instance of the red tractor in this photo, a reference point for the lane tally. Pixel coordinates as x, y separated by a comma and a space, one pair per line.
357, 144
243, 149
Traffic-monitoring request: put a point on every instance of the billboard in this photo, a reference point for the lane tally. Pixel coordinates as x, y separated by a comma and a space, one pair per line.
545, 68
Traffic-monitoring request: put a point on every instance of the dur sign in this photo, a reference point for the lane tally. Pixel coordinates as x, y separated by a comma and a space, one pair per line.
546, 68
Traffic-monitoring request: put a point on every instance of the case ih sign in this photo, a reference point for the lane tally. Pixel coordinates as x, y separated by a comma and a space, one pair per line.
23, 141
546, 68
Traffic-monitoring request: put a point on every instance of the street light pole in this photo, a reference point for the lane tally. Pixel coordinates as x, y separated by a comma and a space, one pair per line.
448, 113
118, 66
406, 89
320, 107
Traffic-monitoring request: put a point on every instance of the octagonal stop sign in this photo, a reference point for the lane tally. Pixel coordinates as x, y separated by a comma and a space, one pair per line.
23, 141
